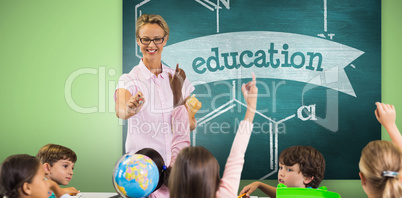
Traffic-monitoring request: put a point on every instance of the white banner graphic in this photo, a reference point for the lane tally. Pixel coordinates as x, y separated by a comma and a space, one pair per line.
274, 55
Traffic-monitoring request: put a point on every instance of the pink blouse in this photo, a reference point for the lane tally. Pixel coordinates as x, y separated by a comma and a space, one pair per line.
151, 127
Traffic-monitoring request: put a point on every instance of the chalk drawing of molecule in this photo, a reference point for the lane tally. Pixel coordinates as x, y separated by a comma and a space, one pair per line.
325, 34
215, 6
273, 134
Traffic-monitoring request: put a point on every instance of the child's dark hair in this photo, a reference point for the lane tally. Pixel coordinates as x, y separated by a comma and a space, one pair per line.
311, 161
164, 171
15, 171
51, 153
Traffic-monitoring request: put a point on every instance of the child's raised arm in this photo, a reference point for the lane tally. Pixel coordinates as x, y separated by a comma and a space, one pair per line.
386, 115
250, 93
234, 165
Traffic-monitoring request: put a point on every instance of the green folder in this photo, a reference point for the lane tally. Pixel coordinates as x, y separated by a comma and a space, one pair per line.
282, 191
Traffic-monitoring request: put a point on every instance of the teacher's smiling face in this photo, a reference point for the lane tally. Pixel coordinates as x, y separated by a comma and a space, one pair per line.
151, 40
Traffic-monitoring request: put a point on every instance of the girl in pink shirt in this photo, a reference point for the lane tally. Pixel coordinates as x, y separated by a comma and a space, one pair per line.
195, 173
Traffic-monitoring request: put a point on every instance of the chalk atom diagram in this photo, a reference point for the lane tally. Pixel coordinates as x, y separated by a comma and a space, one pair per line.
233, 102
215, 6
325, 34
206, 3
273, 134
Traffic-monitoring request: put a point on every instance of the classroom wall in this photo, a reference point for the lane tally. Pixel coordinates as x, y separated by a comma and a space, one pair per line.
60, 61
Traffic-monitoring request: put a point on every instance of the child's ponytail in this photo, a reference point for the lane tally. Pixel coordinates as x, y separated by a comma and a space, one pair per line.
380, 164
165, 175
392, 188
164, 171
13, 193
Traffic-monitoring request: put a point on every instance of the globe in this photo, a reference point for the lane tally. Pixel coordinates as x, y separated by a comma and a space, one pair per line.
135, 176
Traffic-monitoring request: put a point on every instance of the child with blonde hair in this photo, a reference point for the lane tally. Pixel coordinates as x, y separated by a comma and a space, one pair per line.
381, 161
380, 170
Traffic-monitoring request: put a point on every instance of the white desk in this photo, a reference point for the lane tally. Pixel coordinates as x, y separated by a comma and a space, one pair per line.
108, 195
96, 195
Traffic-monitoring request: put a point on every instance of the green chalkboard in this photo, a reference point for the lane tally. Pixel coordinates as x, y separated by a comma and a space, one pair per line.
317, 63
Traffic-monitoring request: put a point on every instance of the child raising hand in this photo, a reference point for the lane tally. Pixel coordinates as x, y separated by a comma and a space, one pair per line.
195, 172
386, 115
